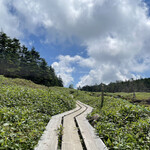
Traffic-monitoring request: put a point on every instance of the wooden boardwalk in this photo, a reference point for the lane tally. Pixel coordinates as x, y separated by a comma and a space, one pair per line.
71, 140
74, 122
91, 141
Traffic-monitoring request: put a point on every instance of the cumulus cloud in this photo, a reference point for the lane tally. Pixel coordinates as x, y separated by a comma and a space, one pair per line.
64, 67
63, 71
8, 22
67, 65
116, 34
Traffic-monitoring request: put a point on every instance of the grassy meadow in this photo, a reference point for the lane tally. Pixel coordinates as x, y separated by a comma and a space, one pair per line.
25, 109
142, 98
120, 124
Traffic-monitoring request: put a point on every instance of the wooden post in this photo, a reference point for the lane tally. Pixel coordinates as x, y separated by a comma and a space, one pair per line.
102, 96
134, 96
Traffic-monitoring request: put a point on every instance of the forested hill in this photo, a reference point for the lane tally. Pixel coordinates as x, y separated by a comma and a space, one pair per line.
140, 85
17, 61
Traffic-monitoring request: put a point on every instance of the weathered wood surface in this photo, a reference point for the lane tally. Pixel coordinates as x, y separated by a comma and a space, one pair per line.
71, 139
91, 141
49, 139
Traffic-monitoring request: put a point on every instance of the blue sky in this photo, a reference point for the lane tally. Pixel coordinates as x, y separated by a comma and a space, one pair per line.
86, 41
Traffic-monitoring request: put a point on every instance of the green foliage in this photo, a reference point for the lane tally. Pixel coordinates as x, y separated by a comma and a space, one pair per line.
120, 124
139, 95
26, 110
60, 134
140, 85
142, 98
18, 61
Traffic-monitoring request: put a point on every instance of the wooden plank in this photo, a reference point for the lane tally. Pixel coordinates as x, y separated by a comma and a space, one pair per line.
49, 139
71, 140
91, 141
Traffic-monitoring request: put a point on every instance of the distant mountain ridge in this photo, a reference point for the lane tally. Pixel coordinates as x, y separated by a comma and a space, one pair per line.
139, 85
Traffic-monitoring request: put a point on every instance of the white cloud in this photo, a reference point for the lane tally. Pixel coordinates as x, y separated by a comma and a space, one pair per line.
65, 66
116, 34
105, 74
8, 22
64, 69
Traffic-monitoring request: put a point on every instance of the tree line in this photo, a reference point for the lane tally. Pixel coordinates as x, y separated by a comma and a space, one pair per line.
17, 61
139, 85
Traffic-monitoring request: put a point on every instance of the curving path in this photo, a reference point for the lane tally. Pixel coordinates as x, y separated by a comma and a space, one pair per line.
71, 139
78, 134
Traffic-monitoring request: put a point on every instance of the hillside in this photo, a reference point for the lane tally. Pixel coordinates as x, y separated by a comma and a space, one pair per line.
25, 109
120, 124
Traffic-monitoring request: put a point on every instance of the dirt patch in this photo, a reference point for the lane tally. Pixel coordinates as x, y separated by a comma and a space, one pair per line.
147, 102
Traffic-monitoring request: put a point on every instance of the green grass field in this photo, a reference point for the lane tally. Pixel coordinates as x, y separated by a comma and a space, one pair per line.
120, 124
25, 109
138, 95
142, 98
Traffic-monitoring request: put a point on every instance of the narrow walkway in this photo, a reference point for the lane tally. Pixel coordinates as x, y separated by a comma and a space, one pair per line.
76, 128
71, 140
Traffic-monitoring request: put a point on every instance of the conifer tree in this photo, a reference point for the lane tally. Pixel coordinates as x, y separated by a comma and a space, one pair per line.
18, 61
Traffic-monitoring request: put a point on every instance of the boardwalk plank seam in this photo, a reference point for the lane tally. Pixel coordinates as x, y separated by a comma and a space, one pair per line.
92, 141
71, 140
49, 139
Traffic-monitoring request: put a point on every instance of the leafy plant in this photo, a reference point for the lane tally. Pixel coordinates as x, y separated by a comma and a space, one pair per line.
120, 124
60, 134
25, 109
